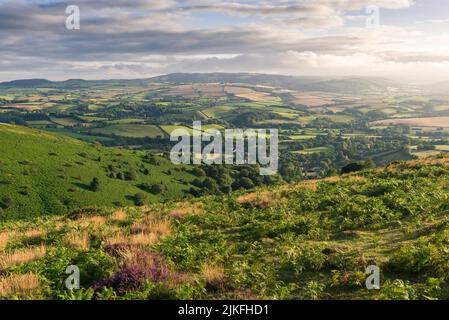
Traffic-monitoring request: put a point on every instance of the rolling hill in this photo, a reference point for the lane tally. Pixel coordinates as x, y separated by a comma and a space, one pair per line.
46, 173
339, 85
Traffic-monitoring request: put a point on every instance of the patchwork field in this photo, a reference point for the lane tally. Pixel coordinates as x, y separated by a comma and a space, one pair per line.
130, 130
424, 122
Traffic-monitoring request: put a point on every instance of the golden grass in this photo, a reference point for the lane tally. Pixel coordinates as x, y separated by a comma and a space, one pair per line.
135, 257
143, 239
119, 216
161, 228
22, 256
212, 273
94, 221
139, 239
34, 234
18, 284
185, 209
78, 240
144, 232
260, 199
4, 238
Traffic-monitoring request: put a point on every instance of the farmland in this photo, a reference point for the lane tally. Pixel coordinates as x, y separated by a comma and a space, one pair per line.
87, 179
142, 114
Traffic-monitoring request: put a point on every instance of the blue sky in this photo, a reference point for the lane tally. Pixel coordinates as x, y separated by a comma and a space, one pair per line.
142, 38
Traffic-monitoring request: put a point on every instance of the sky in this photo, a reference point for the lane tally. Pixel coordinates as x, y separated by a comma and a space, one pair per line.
405, 40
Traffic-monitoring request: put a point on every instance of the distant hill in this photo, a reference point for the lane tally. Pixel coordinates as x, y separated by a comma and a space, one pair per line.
350, 85
27, 83
339, 85
45, 173
440, 87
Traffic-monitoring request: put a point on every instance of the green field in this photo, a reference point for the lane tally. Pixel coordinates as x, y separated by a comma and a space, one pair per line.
66, 122
169, 129
130, 130
314, 150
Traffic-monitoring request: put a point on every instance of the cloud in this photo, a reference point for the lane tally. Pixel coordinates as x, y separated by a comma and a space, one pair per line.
139, 38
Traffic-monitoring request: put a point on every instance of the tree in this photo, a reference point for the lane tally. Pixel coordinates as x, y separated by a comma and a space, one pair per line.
246, 183
7, 202
132, 175
157, 188
210, 186
358, 166
95, 184
140, 199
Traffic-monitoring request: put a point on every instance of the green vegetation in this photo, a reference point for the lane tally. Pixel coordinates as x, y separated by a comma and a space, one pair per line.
311, 240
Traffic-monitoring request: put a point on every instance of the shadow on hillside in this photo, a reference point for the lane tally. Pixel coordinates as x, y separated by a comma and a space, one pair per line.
82, 186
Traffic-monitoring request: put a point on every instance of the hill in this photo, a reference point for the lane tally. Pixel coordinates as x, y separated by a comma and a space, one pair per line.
46, 173
312, 240
339, 85
440, 87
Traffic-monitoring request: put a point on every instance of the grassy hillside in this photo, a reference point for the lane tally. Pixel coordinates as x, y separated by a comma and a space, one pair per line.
312, 240
45, 173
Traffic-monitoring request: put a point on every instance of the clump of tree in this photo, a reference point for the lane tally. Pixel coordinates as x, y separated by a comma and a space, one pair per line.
358, 166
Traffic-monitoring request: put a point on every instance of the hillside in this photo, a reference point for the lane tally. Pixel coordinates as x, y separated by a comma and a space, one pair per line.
46, 173
311, 240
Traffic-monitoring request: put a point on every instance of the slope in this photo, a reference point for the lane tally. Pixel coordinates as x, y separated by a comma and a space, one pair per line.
313, 240
45, 173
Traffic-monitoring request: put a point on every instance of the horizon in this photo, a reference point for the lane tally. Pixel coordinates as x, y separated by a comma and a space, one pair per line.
317, 77
402, 40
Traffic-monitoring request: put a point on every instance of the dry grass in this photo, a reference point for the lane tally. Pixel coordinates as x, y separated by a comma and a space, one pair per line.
22, 256
18, 284
78, 240
4, 238
161, 228
139, 239
260, 199
184, 209
34, 234
212, 273
144, 232
94, 221
119, 216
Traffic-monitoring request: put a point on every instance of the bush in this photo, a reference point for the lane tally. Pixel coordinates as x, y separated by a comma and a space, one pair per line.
7, 202
357, 166
95, 185
132, 175
140, 199
157, 188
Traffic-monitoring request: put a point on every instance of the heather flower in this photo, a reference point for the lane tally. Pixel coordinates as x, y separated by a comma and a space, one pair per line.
139, 268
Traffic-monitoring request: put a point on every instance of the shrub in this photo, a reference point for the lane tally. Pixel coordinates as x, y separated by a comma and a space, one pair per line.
157, 188
132, 175
7, 202
139, 268
140, 199
357, 166
95, 185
